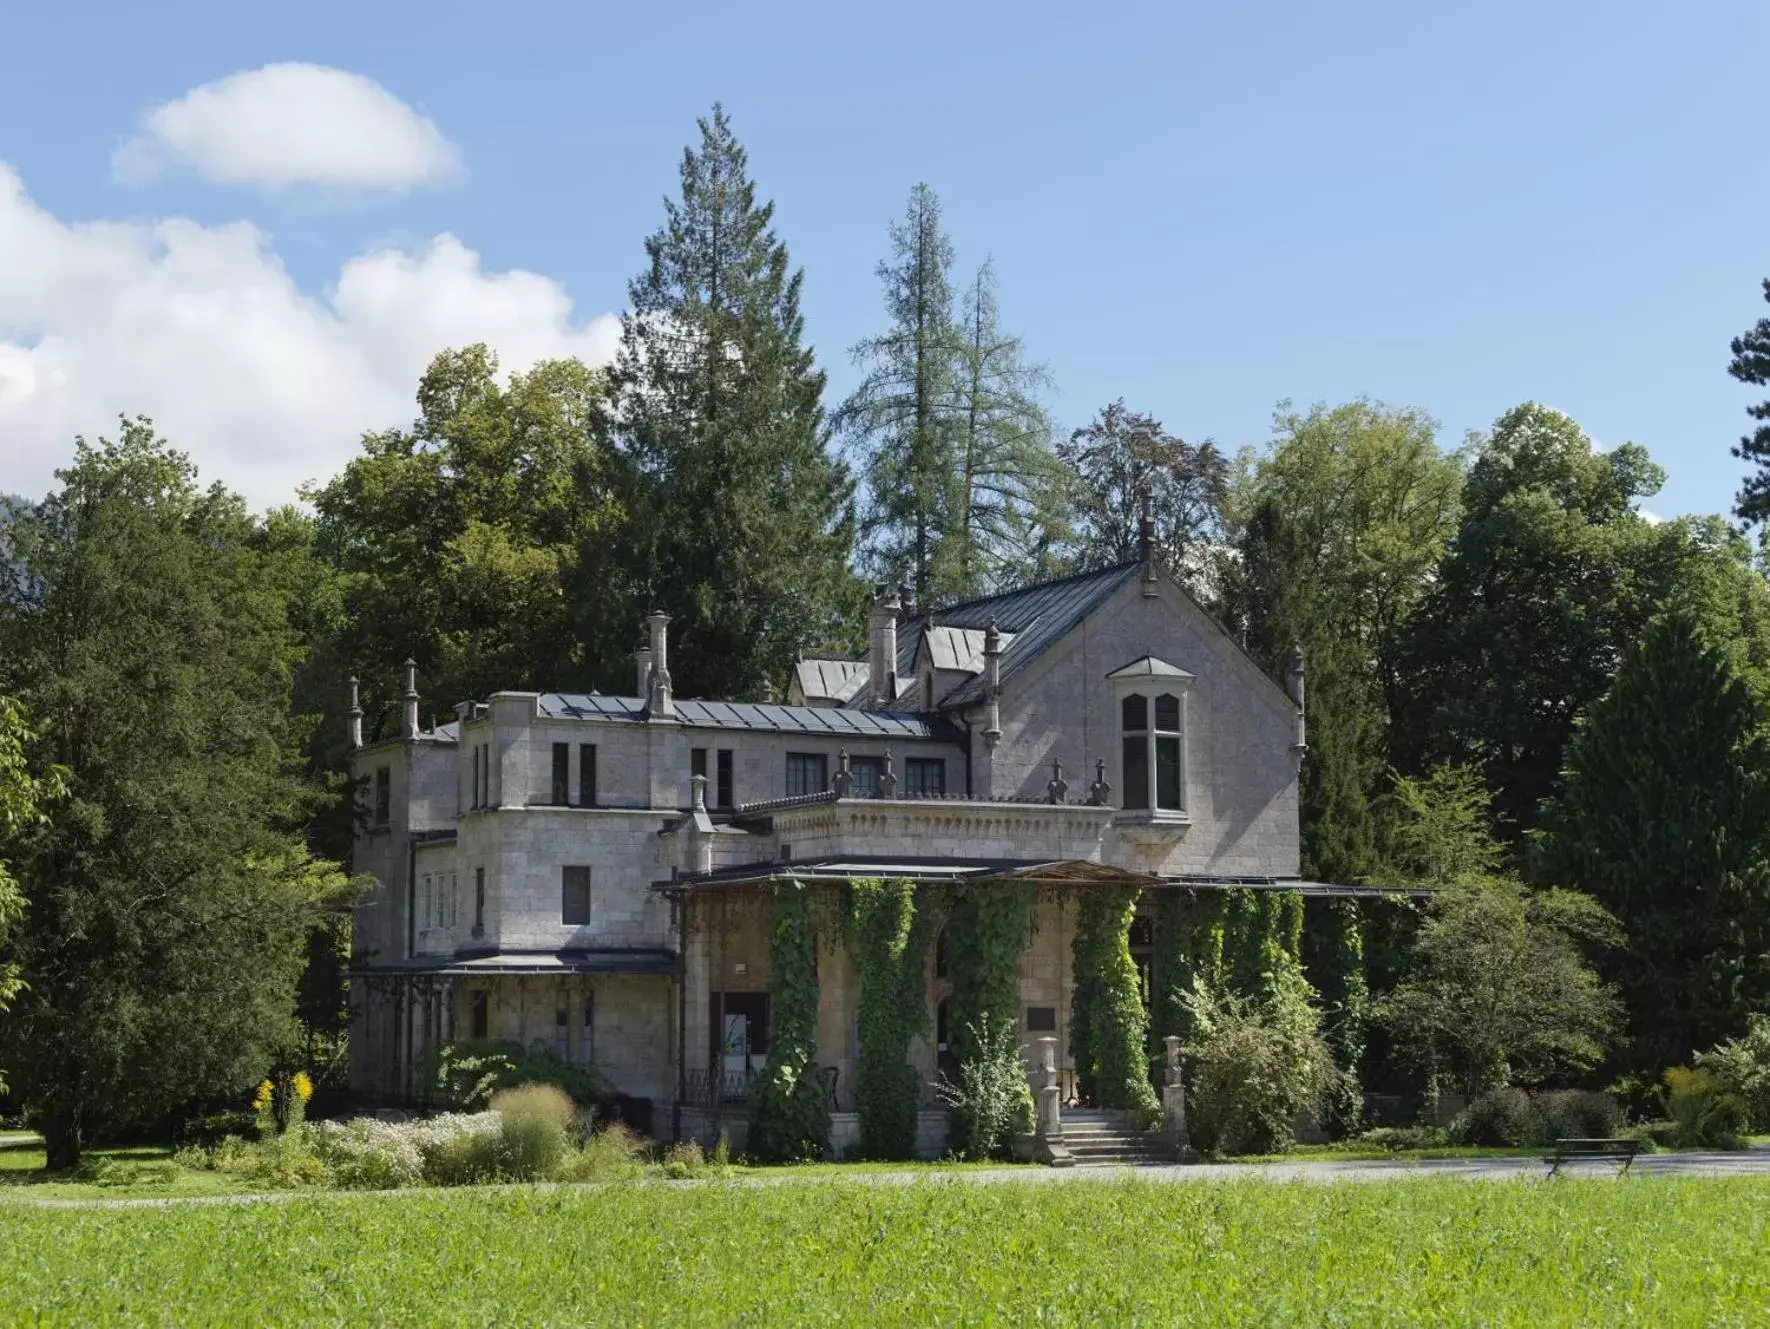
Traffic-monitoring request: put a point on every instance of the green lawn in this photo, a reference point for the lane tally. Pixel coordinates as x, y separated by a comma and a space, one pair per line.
1433, 1251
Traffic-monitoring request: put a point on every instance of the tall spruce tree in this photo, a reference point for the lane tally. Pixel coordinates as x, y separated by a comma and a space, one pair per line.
742, 520
1751, 364
171, 891
1013, 490
1665, 819
903, 418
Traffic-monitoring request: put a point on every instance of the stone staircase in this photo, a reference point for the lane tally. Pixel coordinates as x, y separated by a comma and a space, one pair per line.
1097, 1138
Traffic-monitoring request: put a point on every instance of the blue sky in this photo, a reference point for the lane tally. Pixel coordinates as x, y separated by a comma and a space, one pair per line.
1200, 209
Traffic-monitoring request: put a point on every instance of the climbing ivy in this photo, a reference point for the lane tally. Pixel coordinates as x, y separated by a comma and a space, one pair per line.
888, 938
1335, 967
1109, 1027
790, 1113
1188, 943
988, 923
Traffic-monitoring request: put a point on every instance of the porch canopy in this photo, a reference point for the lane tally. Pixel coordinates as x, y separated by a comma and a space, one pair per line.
938, 871
577, 960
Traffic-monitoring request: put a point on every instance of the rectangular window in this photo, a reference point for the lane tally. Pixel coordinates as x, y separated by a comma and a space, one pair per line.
481, 1019
562, 1026
1167, 772
1041, 1019
587, 1031
697, 761
454, 899
1136, 771
574, 896
479, 901
562, 774
474, 754
586, 775
383, 795
722, 794
807, 773
924, 775
866, 772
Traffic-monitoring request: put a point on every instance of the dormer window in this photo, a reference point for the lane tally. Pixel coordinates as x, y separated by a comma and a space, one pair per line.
1151, 698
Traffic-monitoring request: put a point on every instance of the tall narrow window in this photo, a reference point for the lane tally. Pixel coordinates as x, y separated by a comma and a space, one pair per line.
424, 905
866, 772
807, 773
454, 901
574, 896
723, 794
1134, 714
587, 1031
562, 774
586, 775
474, 754
479, 901
562, 1025
481, 1022
1169, 790
383, 795
925, 776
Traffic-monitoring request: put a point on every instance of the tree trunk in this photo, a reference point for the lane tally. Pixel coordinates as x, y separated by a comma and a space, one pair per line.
63, 1139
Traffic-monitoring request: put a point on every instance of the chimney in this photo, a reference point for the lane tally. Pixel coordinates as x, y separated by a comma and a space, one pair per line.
1294, 686
661, 702
992, 677
1146, 540
409, 727
882, 659
907, 594
642, 671
355, 716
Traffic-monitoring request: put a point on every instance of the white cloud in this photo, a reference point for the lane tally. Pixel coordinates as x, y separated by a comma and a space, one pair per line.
200, 327
288, 124
1651, 518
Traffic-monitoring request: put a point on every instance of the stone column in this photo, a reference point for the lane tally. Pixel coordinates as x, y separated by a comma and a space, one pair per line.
1048, 1145
1174, 1102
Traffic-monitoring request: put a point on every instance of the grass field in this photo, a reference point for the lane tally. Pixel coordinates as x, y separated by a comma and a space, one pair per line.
1662, 1252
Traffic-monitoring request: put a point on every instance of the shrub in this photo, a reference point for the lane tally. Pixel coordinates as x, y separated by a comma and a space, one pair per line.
1742, 1065
466, 1074
448, 1150
537, 1123
988, 1101
1703, 1112
1498, 1118
1577, 1114
1257, 1064
613, 1153
1396, 1138
207, 1131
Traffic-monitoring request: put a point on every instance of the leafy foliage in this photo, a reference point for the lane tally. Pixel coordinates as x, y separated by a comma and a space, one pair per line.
1334, 955
741, 522
1257, 1064
1751, 364
1440, 829
888, 937
23, 797
171, 892
1665, 819
1109, 1028
987, 1102
1704, 1112
1511, 1117
1742, 1065
988, 924
469, 1073
1500, 989
790, 1112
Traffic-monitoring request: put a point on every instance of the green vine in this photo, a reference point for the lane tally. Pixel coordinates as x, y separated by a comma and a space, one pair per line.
1109, 1027
888, 938
790, 1114
1188, 943
1335, 966
988, 924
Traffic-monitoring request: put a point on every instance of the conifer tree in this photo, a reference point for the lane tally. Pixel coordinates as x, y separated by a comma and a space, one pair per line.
903, 417
1751, 364
742, 520
1665, 819
170, 890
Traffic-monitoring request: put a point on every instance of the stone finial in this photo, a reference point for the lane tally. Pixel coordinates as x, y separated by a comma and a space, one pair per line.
354, 716
661, 700
1146, 543
1100, 791
409, 708
992, 669
642, 673
882, 646
1294, 686
1057, 786
698, 800
843, 780
887, 778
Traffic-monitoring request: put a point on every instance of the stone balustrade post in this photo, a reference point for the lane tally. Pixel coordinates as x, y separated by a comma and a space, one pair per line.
1174, 1101
1048, 1145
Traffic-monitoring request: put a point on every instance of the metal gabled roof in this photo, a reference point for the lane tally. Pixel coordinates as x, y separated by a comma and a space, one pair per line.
835, 680
755, 717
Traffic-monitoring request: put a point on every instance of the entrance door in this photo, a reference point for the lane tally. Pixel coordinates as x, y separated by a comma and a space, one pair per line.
740, 1039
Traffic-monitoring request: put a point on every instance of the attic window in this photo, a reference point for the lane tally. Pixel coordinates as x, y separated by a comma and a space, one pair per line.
1152, 737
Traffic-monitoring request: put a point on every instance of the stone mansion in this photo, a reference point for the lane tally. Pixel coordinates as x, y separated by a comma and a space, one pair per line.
593, 871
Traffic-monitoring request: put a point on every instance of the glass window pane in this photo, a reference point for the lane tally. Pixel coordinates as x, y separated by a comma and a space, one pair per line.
866, 772
1167, 712
1136, 773
1167, 773
1136, 711
574, 903
562, 771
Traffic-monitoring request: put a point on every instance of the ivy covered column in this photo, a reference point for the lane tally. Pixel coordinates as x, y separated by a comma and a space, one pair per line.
1335, 967
790, 1114
1109, 1027
1188, 937
988, 925
888, 937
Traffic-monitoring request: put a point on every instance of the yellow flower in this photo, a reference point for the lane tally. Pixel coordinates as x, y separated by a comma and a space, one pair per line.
302, 1085
261, 1099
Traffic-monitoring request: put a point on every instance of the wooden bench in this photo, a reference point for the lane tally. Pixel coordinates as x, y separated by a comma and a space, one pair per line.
1609, 1151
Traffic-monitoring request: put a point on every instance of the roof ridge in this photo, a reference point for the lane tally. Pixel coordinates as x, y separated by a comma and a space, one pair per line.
1021, 590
